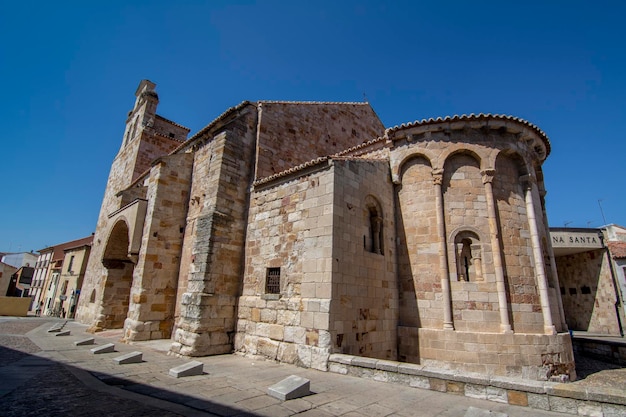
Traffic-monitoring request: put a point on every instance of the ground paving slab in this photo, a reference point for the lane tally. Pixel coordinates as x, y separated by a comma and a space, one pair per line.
45, 375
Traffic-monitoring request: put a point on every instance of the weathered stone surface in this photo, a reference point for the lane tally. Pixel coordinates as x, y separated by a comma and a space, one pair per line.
249, 237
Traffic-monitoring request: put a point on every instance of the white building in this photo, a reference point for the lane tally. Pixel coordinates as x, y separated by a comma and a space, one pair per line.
19, 259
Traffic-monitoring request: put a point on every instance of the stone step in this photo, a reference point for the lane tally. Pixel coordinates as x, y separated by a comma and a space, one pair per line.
55, 329
63, 333
88, 341
289, 388
188, 369
108, 348
132, 357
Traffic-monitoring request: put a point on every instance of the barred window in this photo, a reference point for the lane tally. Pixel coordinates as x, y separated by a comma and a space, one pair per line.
272, 281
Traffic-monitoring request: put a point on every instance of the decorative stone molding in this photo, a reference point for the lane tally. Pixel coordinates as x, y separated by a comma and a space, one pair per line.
488, 175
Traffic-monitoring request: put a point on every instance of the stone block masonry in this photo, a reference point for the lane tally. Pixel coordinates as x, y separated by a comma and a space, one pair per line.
290, 229
208, 303
299, 230
548, 396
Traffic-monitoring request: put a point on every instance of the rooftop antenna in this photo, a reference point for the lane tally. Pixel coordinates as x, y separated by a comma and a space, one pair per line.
602, 211
565, 224
365, 97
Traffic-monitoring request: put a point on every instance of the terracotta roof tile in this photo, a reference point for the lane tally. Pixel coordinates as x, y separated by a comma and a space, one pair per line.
362, 103
172, 122
617, 249
472, 116
60, 248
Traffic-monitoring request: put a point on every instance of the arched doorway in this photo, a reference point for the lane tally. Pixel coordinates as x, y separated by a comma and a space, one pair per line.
118, 278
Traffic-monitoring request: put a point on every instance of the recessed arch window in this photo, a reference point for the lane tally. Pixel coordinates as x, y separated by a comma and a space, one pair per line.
373, 240
468, 257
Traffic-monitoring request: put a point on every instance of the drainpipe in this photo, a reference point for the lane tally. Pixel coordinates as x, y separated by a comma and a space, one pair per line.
618, 297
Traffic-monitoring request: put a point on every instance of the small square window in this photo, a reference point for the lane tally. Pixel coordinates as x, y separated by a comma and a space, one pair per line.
272, 281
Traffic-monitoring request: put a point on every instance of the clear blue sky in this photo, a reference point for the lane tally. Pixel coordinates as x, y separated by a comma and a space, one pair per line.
69, 70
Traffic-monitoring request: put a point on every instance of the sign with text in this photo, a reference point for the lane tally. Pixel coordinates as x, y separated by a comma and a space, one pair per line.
588, 240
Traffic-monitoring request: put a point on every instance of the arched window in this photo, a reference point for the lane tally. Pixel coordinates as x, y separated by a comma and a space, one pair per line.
468, 257
373, 242
92, 298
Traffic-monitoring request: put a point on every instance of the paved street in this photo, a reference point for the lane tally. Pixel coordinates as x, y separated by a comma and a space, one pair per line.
46, 375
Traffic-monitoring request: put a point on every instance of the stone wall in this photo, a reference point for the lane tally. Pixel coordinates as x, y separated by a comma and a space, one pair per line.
140, 146
292, 133
14, 306
214, 240
526, 313
472, 277
290, 228
364, 306
528, 356
572, 399
588, 293
418, 249
153, 292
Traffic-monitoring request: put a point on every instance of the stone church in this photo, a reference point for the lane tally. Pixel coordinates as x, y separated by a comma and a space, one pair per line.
294, 230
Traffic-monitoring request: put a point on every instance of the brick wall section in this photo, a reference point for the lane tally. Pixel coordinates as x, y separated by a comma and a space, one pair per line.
290, 227
293, 133
207, 315
588, 293
364, 306
153, 293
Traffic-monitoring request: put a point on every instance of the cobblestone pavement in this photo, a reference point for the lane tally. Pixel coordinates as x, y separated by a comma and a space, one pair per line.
54, 390
14, 345
45, 375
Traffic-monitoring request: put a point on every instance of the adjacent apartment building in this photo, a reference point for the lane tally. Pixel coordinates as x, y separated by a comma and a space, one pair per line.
58, 277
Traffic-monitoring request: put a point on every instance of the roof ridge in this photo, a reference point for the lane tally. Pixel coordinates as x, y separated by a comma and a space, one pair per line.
158, 116
312, 102
291, 170
471, 116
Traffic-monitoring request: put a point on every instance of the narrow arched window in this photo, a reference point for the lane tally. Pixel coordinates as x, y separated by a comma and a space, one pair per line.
373, 241
468, 257
376, 230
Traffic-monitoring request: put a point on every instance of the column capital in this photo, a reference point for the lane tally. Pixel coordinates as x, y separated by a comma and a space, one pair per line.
527, 180
488, 175
437, 176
